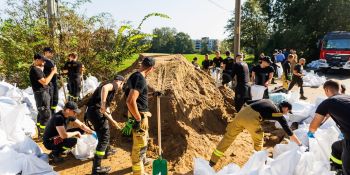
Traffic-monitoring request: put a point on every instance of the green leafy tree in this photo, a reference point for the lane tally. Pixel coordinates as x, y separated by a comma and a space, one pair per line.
164, 40
205, 48
183, 43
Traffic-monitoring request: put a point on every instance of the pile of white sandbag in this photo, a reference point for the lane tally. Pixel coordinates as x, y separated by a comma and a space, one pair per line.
313, 80
315, 64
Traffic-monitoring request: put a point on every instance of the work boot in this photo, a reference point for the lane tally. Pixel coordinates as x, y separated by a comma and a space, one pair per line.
273, 81
302, 97
97, 169
211, 163
109, 152
55, 157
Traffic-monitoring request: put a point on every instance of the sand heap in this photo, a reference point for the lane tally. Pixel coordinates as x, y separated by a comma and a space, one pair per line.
194, 112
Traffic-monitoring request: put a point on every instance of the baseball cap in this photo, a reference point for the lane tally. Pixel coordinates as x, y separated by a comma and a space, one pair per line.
239, 54
286, 104
73, 106
38, 56
148, 62
119, 78
48, 49
267, 59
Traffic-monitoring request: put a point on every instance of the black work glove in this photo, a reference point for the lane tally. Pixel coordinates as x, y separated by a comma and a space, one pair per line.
137, 126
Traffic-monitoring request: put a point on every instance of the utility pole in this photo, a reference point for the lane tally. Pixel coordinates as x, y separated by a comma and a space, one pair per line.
51, 18
237, 30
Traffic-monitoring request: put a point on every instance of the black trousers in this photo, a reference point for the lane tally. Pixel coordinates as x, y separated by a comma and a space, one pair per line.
101, 126
242, 95
74, 87
53, 95
299, 82
337, 150
345, 157
42, 100
66, 144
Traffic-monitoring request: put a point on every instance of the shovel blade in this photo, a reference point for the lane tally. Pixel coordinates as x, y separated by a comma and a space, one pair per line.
160, 167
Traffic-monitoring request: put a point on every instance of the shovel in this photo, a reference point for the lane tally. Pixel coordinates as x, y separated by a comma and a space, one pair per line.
160, 166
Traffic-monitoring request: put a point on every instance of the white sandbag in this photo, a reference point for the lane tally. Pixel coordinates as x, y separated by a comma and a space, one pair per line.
4, 87
202, 167
279, 72
27, 146
8, 100
321, 145
15, 94
294, 96
301, 111
285, 163
11, 163
229, 169
312, 80
255, 163
11, 123
33, 165
85, 147
90, 84
257, 92
301, 133
3, 139
28, 90
280, 149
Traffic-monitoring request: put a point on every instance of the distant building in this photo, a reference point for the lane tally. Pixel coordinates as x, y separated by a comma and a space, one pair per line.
213, 44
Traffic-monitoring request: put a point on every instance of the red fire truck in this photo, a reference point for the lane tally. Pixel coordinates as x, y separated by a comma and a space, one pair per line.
335, 50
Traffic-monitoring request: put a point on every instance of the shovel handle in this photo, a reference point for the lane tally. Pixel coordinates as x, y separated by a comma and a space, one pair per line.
159, 126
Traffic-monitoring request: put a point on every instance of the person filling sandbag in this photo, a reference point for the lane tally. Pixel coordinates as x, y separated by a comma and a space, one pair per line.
98, 106
262, 74
337, 106
250, 118
56, 136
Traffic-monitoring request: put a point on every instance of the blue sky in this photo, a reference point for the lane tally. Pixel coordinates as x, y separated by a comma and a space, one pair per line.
198, 18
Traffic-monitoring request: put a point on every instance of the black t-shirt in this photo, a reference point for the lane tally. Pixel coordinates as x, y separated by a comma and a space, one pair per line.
57, 120
241, 70
49, 64
35, 74
138, 82
338, 107
269, 111
206, 64
217, 61
74, 69
229, 63
262, 74
299, 69
286, 68
95, 99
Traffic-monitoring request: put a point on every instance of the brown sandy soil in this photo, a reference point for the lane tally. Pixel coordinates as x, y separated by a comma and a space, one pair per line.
194, 116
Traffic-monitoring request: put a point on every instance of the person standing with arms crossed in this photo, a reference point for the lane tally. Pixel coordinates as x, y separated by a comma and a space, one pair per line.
137, 102
40, 86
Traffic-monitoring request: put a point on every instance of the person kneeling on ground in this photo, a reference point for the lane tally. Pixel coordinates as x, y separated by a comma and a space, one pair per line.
56, 136
250, 118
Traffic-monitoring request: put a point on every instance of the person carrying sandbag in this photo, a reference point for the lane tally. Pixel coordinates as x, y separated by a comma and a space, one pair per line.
250, 118
97, 114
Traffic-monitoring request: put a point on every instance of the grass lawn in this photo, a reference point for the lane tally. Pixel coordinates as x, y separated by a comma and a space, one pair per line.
128, 62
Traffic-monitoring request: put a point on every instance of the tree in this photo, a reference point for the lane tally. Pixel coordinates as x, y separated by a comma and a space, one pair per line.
98, 42
254, 27
204, 48
164, 40
183, 43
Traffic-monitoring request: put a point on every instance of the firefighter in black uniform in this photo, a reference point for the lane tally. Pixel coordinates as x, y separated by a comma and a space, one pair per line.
41, 91
49, 64
96, 114
337, 106
57, 138
227, 66
74, 70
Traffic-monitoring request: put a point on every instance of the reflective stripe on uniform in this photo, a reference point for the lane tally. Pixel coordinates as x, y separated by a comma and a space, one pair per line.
53, 107
335, 160
136, 168
277, 114
42, 126
65, 148
218, 153
100, 153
